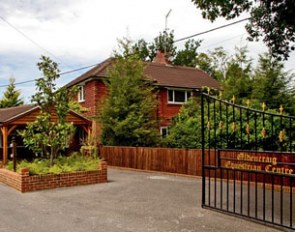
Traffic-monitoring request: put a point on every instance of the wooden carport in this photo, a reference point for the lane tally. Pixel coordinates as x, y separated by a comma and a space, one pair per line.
14, 117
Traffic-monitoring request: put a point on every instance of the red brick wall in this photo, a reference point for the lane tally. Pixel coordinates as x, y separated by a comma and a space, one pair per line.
95, 92
166, 111
25, 183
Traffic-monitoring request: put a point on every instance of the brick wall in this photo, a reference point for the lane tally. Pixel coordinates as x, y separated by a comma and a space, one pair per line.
23, 182
95, 92
166, 111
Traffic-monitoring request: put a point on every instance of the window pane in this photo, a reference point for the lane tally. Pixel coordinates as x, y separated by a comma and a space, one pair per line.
170, 95
189, 94
81, 95
164, 131
179, 96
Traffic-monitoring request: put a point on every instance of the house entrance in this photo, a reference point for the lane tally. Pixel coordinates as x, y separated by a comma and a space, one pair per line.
248, 162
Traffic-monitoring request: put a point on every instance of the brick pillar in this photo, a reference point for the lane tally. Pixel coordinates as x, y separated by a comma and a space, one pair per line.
104, 172
25, 172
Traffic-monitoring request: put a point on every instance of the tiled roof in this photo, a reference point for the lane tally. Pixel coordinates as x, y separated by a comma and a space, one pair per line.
179, 76
99, 70
9, 114
6, 114
161, 74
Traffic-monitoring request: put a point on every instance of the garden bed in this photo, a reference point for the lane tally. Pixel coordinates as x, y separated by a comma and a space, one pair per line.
24, 182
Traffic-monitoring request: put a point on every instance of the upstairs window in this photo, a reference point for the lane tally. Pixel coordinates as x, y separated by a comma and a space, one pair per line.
178, 96
81, 93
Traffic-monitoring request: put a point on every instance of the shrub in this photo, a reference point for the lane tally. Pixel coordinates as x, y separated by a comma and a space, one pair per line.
73, 163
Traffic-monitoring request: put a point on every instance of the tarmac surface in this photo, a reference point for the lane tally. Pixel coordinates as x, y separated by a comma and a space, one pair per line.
130, 201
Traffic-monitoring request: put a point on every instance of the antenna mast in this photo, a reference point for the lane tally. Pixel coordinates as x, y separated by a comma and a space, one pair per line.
166, 19
166, 29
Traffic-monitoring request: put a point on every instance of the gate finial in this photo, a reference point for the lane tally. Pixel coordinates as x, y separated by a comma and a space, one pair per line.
248, 103
281, 109
263, 106
234, 99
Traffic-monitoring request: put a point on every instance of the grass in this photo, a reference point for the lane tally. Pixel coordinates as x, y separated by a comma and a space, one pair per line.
63, 164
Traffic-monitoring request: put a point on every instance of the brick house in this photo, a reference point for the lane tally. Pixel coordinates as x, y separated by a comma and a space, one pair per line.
175, 84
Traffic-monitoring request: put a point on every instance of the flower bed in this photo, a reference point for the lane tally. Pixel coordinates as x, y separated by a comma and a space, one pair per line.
23, 182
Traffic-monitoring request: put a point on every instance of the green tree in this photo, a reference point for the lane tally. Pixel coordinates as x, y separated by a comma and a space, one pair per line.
214, 63
188, 55
164, 42
185, 130
48, 135
237, 80
272, 20
11, 96
271, 84
128, 115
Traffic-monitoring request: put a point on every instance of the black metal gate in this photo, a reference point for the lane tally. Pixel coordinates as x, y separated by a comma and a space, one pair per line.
247, 160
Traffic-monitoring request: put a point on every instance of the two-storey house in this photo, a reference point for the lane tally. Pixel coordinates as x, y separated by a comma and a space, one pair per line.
175, 84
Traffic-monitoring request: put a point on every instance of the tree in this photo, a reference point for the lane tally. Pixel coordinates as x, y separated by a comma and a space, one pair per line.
272, 85
47, 136
164, 42
272, 20
237, 80
188, 55
185, 130
11, 96
128, 115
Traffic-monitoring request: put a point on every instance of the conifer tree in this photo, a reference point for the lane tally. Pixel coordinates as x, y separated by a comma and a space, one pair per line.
128, 116
11, 96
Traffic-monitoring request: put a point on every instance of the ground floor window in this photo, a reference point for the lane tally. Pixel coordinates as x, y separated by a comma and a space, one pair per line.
164, 131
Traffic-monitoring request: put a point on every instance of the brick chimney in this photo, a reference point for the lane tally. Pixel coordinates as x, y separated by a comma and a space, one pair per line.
161, 58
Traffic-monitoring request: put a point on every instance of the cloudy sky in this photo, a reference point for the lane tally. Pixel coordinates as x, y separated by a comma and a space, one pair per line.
78, 33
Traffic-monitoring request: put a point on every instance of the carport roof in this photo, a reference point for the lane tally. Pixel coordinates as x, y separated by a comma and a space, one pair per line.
8, 114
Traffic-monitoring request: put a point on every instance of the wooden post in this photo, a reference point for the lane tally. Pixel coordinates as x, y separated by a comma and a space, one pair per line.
13, 143
5, 143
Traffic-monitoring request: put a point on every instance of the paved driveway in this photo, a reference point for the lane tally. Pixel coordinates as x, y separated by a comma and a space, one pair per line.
131, 201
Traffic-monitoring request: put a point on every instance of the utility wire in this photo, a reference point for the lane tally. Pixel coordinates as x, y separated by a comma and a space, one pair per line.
62, 73
214, 29
231, 38
75, 70
31, 40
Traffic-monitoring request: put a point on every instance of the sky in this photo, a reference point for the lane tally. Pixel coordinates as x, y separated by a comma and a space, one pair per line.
79, 33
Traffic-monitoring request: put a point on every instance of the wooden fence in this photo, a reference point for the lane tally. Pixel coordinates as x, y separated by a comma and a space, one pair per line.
181, 161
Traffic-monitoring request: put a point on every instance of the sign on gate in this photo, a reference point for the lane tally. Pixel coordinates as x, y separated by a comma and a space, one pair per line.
277, 163
248, 162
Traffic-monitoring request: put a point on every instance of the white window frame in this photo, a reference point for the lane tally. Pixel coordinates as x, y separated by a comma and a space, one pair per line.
187, 95
161, 131
81, 93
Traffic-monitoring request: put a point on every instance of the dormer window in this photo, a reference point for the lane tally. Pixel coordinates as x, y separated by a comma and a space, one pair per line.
178, 96
81, 93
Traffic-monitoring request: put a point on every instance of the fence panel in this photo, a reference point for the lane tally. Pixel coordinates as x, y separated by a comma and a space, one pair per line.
181, 161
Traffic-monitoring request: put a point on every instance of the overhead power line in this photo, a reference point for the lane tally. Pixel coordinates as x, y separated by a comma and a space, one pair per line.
214, 29
62, 73
30, 39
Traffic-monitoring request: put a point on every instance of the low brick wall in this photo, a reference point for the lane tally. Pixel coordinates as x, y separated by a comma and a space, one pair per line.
23, 182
